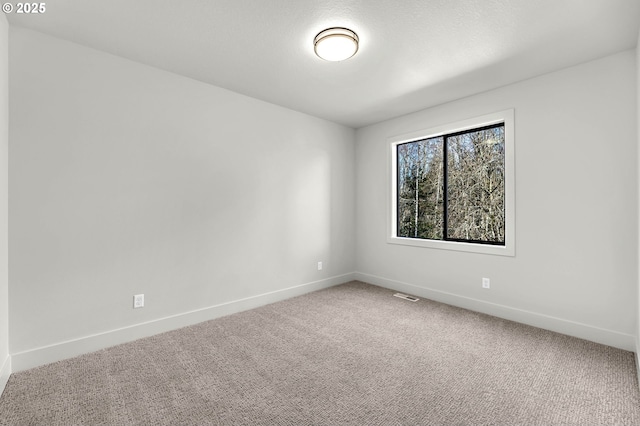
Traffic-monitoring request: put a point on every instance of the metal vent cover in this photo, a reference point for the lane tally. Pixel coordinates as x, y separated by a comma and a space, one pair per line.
406, 297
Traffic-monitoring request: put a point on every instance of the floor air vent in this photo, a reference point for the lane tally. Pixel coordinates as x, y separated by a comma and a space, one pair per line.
406, 297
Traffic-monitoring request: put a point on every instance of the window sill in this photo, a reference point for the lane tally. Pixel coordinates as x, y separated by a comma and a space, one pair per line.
507, 250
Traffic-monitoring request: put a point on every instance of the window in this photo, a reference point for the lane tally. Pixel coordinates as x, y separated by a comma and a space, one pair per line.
452, 187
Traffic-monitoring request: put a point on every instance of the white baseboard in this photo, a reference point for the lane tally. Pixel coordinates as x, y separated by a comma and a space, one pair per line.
44, 355
638, 356
559, 325
5, 372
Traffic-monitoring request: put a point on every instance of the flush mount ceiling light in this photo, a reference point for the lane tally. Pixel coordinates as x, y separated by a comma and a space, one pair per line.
336, 44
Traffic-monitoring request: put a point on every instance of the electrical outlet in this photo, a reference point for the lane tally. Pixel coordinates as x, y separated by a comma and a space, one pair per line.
486, 283
138, 301
319, 266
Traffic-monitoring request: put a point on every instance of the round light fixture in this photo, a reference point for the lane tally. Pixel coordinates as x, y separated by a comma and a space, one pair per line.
336, 44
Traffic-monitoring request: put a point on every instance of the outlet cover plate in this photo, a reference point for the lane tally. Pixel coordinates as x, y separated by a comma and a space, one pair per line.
138, 301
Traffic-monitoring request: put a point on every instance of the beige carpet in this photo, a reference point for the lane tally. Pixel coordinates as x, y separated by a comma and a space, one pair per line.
349, 355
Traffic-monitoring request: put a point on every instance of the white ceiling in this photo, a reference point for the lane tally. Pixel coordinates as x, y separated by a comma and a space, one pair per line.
413, 53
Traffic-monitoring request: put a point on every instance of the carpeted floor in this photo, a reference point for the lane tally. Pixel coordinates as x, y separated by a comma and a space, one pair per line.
348, 355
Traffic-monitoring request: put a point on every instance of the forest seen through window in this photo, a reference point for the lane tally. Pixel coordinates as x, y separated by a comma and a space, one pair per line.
452, 187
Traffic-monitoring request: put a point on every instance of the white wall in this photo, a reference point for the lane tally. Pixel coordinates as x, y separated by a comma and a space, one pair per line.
575, 269
5, 360
127, 179
638, 160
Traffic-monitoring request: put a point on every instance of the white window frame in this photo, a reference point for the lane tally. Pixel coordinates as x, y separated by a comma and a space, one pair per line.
508, 249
